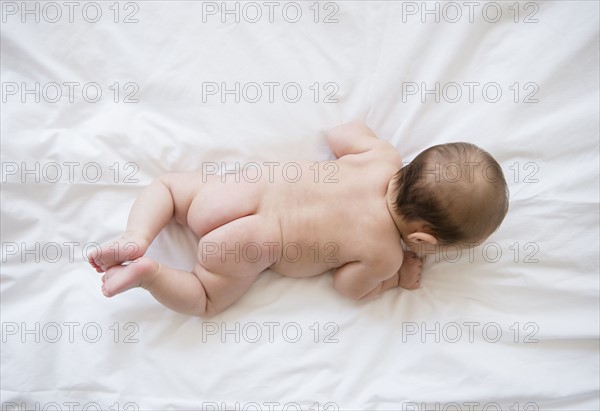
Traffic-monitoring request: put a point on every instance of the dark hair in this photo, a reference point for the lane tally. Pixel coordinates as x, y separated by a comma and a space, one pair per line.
457, 190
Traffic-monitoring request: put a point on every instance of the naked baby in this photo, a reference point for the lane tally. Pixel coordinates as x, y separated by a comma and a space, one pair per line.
351, 216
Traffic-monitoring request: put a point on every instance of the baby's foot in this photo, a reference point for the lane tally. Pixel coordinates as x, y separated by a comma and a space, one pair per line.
121, 278
410, 272
126, 248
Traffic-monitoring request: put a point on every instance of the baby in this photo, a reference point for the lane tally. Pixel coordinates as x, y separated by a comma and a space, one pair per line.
351, 216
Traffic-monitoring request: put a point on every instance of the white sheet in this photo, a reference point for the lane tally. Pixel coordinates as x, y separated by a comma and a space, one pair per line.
291, 344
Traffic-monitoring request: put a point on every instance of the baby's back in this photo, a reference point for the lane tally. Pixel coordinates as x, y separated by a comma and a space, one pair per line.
331, 213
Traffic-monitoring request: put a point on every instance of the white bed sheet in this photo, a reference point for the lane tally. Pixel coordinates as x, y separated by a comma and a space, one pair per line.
515, 330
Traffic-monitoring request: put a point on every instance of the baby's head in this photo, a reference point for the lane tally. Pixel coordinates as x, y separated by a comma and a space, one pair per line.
450, 194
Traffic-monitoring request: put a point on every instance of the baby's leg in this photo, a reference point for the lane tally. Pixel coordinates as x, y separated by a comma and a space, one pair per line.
230, 258
168, 196
199, 293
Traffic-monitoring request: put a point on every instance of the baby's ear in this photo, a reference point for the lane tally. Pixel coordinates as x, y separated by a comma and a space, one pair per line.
421, 237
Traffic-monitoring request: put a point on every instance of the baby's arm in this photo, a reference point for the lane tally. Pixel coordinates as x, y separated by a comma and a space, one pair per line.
168, 196
351, 138
359, 282
357, 138
410, 272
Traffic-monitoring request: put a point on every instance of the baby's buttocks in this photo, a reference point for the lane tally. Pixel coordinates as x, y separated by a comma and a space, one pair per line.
244, 246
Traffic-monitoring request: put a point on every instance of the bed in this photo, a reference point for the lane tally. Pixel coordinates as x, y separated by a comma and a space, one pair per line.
100, 98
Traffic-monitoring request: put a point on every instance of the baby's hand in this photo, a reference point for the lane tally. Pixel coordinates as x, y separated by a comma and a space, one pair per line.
410, 272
